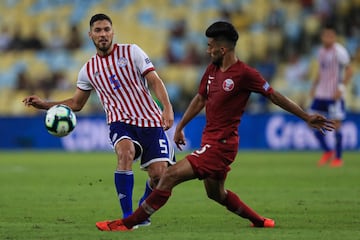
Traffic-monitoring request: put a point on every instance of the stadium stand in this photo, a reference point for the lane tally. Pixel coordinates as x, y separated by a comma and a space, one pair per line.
267, 27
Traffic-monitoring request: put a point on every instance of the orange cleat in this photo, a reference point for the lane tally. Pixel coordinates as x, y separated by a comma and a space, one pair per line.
336, 163
326, 157
268, 223
116, 225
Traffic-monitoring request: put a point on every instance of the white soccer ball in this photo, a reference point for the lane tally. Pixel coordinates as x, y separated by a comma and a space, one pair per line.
60, 120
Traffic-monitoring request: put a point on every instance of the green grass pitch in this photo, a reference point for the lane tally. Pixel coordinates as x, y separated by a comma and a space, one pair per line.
59, 195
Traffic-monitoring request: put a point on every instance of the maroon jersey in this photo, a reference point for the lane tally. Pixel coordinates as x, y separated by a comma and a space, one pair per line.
226, 95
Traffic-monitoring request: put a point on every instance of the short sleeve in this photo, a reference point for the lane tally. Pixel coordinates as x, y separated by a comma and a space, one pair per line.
342, 54
256, 83
83, 81
141, 59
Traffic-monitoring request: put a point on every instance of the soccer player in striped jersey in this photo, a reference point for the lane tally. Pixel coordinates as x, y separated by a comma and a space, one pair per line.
328, 91
120, 74
224, 91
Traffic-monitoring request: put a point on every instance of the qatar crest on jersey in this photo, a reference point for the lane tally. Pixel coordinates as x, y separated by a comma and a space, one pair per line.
122, 62
228, 85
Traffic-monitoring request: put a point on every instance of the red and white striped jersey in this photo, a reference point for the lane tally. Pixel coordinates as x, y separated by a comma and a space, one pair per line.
119, 81
331, 64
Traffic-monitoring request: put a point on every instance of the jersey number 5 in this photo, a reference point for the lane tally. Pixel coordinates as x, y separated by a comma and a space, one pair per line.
203, 149
163, 146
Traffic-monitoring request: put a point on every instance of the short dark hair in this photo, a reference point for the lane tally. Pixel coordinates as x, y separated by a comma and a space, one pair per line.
330, 25
99, 17
222, 30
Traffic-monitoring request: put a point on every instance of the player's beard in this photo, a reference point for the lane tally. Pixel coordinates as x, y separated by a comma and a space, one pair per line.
103, 48
217, 61
216, 58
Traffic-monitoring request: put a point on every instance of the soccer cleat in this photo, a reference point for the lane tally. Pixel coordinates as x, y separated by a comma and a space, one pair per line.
116, 225
325, 158
268, 223
145, 223
336, 163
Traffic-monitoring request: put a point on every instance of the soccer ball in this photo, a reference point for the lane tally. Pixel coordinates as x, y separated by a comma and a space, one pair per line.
60, 120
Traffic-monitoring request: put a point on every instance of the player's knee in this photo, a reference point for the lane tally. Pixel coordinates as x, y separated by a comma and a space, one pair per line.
126, 155
155, 178
154, 181
125, 149
125, 159
155, 172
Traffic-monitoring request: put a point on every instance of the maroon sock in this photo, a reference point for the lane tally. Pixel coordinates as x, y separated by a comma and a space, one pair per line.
151, 204
235, 205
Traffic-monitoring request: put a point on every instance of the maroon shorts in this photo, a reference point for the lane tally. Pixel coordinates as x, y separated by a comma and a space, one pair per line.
212, 161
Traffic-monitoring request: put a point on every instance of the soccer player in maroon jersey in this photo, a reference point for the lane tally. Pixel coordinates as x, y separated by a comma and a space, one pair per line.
224, 91
121, 75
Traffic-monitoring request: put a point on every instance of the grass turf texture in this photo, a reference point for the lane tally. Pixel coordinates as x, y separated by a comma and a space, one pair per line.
57, 195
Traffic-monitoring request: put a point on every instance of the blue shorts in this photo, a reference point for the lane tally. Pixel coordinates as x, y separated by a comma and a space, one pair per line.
151, 143
332, 109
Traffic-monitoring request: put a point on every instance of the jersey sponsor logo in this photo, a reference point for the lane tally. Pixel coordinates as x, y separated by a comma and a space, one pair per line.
266, 86
115, 82
228, 85
122, 62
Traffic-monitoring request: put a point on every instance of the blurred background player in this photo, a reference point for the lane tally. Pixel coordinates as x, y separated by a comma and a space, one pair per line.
224, 91
120, 74
328, 91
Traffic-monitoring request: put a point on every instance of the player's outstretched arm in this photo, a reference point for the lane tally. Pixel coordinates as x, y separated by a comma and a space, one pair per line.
76, 103
196, 105
314, 121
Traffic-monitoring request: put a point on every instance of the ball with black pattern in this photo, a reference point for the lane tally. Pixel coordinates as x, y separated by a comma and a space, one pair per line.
60, 120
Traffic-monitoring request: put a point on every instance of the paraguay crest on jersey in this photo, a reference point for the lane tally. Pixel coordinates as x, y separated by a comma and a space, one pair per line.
122, 62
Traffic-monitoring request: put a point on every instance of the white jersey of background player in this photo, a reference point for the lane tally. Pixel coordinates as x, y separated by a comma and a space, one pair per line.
328, 91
